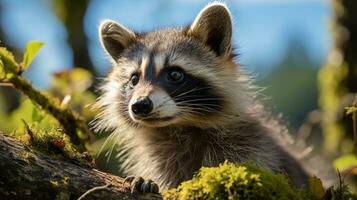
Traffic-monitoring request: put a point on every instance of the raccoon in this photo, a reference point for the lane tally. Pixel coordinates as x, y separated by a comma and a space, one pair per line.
178, 100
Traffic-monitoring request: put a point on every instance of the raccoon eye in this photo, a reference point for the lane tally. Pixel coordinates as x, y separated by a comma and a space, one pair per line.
134, 80
175, 76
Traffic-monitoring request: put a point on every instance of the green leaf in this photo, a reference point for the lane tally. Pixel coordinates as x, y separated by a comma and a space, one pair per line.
316, 187
31, 50
350, 110
37, 116
345, 162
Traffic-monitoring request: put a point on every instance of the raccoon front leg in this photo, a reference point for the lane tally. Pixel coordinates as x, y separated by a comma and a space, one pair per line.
140, 185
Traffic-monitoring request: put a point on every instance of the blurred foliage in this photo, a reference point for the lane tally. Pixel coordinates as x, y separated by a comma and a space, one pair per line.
72, 87
338, 86
338, 80
30, 113
72, 13
345, 162
291, 87
68, 87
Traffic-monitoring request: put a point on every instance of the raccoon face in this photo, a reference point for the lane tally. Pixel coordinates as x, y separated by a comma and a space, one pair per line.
169, 76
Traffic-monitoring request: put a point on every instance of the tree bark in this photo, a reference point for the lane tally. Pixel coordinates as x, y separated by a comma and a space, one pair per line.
26, 173
72, 14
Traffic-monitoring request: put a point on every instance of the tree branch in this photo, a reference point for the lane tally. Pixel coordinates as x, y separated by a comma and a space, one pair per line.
26, 173
70, 121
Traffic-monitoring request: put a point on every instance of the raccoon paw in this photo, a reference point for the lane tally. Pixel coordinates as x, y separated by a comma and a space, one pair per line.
139, 185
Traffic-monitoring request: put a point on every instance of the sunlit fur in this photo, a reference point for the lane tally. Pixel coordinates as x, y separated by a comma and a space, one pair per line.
170, 151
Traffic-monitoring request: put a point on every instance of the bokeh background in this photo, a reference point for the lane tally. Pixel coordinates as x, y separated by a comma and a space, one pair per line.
283, 43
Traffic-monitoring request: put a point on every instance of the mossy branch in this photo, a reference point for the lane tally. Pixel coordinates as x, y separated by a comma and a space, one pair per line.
27, 173
71, 122
11, 72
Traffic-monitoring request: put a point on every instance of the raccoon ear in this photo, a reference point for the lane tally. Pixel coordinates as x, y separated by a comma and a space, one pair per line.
115, 37
213, 26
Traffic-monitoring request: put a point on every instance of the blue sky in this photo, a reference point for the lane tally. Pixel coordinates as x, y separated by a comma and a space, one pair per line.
262, 28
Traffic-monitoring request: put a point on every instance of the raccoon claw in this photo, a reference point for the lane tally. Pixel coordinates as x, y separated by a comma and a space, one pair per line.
139, 185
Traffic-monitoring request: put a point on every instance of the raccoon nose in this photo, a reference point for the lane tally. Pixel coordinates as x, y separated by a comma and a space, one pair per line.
142, 106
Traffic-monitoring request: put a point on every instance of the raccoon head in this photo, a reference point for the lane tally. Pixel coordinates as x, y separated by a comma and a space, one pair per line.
174, 76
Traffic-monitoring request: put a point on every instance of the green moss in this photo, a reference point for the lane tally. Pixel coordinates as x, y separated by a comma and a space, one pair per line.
236, 181
54, 142
250, 182
342, 193
8, 65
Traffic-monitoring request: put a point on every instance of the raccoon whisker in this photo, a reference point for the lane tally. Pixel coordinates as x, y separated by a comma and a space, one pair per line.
199, 99
104, 144
195, 89
188, 111
197, 109
194, 96
189, 96
193, 106
203, 109
173, 92
189, 114
152, 115
109, 138
184, 93
164, 103
112, 146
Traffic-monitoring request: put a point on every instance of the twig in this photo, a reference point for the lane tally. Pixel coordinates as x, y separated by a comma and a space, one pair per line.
6, 85
28, 130
353, 111
95, 189
340, 180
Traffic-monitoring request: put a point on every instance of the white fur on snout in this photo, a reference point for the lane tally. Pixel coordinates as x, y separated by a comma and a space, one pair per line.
164, 106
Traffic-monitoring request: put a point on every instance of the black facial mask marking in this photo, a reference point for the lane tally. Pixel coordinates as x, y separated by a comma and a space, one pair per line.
193, 92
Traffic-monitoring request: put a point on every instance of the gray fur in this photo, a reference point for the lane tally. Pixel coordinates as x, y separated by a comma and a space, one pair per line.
240, 131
